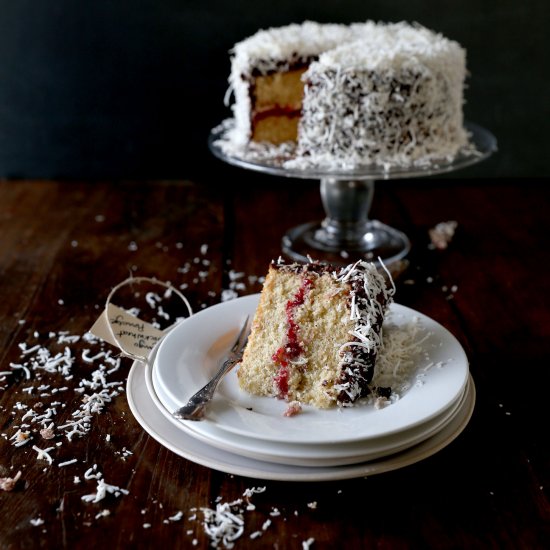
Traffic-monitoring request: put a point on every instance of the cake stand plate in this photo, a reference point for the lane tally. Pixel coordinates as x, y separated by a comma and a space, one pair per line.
347, 233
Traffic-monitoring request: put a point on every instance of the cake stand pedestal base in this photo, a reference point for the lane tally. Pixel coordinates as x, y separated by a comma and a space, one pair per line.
346, 234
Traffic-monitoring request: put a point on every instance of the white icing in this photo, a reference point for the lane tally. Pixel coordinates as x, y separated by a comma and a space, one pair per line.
384, 94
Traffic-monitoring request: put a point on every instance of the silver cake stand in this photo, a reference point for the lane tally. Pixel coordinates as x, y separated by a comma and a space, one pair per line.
347, 233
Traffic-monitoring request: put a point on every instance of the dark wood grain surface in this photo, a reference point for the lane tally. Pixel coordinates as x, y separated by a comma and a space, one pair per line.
64, 245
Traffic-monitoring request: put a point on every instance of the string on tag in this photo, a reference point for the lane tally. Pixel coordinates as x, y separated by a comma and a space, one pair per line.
138, 280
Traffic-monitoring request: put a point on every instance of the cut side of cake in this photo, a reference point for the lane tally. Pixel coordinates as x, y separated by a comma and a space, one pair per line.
389, 94
277, 106
267, 79
316, 333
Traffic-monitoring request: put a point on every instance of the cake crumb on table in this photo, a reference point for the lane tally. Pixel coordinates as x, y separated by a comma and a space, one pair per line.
442, 234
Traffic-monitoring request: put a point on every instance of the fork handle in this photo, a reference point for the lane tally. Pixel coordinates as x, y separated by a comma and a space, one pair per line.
207, 391
194, 409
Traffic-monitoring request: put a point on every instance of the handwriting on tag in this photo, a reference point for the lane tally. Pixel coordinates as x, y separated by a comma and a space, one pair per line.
132, 335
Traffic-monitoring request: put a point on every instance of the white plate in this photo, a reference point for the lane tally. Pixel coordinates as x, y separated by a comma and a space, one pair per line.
190, 354
167, 434
310, 455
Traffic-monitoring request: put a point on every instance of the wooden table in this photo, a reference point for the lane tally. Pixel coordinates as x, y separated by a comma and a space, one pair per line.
64, 245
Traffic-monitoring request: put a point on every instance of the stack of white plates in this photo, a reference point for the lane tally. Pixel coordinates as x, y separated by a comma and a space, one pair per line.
248, 435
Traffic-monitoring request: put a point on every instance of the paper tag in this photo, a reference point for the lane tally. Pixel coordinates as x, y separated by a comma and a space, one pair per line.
129, 333
134, 337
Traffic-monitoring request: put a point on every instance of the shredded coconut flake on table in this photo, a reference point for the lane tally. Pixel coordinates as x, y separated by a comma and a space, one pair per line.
20, 438
9, 483
225, 523
177, 516
67, 463
102, 490
44, 454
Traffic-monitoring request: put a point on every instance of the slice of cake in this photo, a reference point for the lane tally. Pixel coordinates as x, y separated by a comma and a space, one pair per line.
348, 95
316, 333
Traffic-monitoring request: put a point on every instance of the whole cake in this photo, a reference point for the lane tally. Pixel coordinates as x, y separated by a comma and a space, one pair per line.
316, 333
347, 95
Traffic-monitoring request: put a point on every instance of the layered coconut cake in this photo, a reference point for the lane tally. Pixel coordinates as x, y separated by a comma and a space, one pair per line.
348, 95
316, 333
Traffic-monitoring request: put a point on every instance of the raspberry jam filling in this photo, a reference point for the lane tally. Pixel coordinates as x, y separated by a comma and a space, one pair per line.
292, 348
276, 111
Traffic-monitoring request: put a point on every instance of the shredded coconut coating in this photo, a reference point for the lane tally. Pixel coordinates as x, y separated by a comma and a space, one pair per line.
370, 298
375, 94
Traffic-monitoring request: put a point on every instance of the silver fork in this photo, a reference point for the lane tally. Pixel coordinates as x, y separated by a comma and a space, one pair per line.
196, 406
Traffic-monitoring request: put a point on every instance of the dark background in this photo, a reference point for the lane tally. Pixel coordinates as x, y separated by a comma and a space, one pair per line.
129, 89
